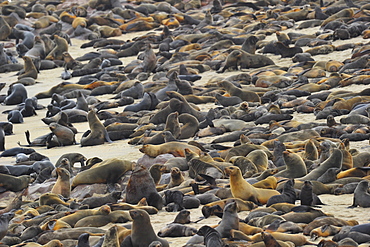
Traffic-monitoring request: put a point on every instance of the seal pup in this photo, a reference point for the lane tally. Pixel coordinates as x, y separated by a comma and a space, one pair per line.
142, 233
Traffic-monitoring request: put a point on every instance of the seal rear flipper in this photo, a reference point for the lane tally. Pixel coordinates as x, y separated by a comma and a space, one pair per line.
27, 133
209, 179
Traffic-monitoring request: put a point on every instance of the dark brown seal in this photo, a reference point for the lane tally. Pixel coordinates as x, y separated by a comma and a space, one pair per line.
142, 233
140, 185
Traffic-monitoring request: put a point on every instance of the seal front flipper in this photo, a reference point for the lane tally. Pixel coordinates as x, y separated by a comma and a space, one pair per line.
127, 242
106, 136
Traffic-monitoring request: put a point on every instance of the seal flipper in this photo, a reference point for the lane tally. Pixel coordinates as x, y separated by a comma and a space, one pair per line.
209, 179
127, 242
106, 136
27, 133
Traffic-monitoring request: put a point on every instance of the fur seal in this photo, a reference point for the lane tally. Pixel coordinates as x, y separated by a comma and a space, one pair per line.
63, 136
62, 185
4, 223
190, 126
335, 160
306, 195
295, 166
72, 158
211, 236
57, 52
15, 116
17, 94
175, 148
288, 195
176, 230
176, 177
97, 134
140, 185
228, 222
5, 29
29, 68
245, 60
142, 233
361, 197
98, 201
108, 171
13, 183
242, 94
243, 190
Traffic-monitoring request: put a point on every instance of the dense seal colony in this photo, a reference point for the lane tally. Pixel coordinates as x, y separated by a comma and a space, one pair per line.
210, 93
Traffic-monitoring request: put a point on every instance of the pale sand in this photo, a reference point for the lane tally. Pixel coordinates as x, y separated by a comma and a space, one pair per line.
336, 205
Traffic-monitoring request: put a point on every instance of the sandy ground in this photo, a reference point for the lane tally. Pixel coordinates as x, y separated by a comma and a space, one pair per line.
335, 205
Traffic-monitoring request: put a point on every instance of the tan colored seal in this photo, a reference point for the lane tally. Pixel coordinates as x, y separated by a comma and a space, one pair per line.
175, 148
62, 185
243, 190
29, 69
57, 52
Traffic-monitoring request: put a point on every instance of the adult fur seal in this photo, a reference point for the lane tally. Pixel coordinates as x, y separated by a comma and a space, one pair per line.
62, 185
295, 166
108, 171
13, 183
335, 160
361, 197
235, 91
228, 222
288, 195
97, 135
245, 60
17, 94
29, 68
57, 52
142, 233
211, 236
175, 148
4, 223
140, 185
243, 190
